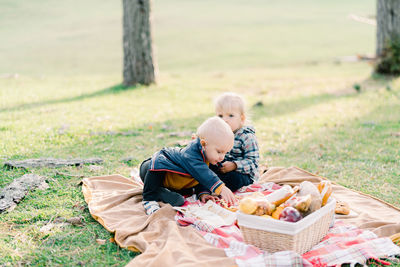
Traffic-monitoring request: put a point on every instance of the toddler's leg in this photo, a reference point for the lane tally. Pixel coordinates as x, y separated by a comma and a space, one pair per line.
150, 206
154, 191
152, 184
144, 168
173, 198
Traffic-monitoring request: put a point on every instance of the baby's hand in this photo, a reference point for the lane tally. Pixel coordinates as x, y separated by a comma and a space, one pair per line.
228, 196
206, 197
228, 166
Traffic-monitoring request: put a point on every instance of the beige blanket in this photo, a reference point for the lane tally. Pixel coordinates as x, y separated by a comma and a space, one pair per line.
115, 202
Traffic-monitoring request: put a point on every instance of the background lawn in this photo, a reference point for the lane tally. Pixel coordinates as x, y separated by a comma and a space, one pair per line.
60, 93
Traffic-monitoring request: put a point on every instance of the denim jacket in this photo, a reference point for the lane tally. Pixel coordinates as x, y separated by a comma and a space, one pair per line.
189, 161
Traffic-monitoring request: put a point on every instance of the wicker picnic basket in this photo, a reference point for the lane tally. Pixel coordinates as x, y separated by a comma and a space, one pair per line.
273, 235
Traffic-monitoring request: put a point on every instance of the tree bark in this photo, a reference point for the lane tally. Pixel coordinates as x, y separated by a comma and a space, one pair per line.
139, 67
388, 33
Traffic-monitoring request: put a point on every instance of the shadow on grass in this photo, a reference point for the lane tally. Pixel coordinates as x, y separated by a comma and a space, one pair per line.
116, 89
372, 83
375, 81
290, 106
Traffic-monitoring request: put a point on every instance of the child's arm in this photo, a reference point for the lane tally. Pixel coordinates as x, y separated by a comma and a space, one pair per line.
251, 156
200, 171
228, 196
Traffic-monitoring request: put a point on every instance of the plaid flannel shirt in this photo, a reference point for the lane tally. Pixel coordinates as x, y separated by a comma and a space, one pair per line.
245, 152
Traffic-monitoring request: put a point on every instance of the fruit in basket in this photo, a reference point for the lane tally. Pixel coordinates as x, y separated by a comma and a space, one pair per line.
264, 207
303, 203
277, 212
256, 204
248, 205
266, 216
325, 189
290, 214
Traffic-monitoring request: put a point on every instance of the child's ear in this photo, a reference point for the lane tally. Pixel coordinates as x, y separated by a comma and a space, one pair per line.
203, 142
243, 117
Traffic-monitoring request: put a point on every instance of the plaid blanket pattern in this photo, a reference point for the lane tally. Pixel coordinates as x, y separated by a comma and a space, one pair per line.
343, 243
348, 244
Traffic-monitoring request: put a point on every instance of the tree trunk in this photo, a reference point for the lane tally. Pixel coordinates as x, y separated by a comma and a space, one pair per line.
388, 36
139, 67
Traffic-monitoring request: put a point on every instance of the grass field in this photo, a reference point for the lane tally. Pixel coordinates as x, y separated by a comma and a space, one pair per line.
60, 95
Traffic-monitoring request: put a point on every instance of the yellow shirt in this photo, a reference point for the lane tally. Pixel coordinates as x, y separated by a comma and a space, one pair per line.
177, 181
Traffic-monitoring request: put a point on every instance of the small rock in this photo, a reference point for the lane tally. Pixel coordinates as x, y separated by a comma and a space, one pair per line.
12, 207
46, 228
76, 221
16, 191
43, 186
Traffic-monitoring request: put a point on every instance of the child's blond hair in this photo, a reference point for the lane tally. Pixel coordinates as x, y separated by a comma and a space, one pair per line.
215, 129
230, 102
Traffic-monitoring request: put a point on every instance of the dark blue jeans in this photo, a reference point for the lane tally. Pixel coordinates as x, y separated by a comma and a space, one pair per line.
153, 180
233, 180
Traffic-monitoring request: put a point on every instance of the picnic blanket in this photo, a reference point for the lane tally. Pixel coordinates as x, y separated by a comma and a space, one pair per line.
115, 202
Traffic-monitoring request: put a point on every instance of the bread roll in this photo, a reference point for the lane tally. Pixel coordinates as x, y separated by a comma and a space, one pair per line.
325, 189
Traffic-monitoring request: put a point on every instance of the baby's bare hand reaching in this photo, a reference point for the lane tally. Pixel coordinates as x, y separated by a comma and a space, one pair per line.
228, 196
206, 197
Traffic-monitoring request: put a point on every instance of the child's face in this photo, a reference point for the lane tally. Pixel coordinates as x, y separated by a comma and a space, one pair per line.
233, 117
215, 151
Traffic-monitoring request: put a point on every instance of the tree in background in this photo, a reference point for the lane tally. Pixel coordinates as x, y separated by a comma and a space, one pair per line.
139, 67
388, 37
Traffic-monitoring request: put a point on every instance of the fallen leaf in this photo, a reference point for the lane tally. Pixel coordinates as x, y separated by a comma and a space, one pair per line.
112, 240
79, 206
100, 241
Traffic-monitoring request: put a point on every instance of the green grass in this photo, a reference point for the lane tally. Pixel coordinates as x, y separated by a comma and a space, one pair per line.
67, 95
